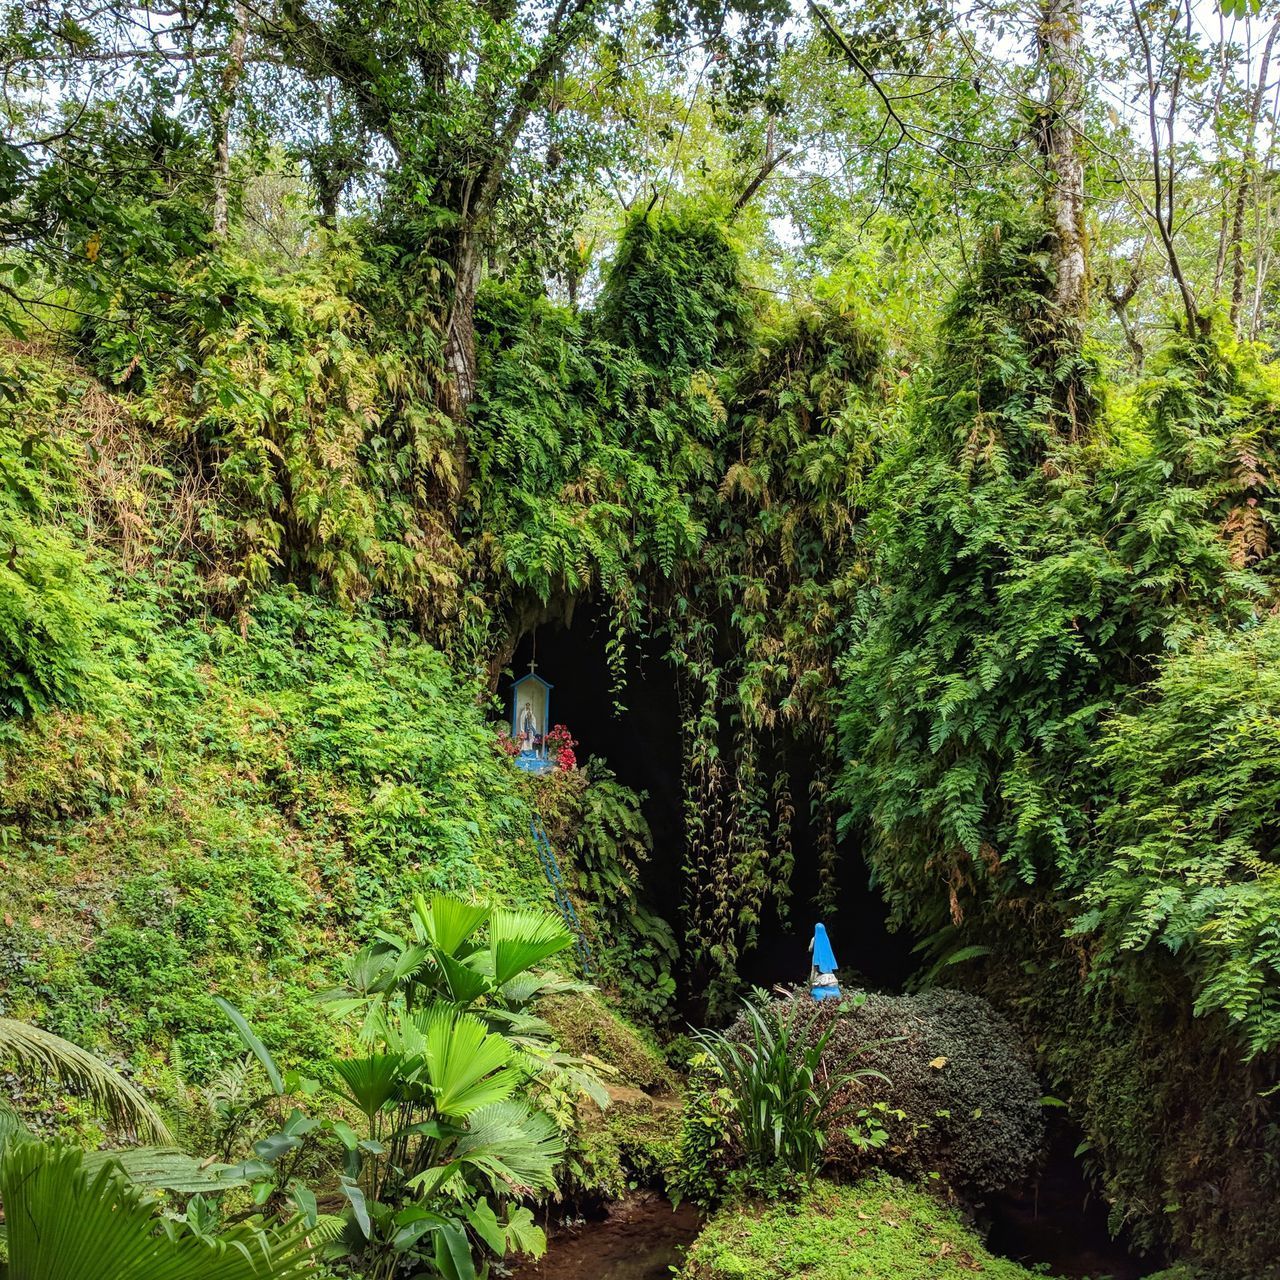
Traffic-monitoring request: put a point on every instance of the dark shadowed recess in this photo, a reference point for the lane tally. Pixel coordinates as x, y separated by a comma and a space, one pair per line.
1060, 1222
641, 744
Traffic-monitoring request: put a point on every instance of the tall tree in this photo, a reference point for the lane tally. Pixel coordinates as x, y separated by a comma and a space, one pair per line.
1248, 176
220, 118
1058, 37
450, 87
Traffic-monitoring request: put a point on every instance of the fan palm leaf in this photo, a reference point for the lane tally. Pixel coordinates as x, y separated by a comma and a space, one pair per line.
64, 1224
520, 939
373, 1081
167, 1169
517, 1148
449, 922
468, 1066
464, 983
76, 1068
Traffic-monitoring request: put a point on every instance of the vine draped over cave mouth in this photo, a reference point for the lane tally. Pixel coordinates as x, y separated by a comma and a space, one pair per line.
697, 462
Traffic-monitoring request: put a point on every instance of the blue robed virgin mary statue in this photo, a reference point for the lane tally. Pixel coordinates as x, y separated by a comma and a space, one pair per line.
822, 973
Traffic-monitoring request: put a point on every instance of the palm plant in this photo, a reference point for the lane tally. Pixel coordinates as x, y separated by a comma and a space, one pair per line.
781, 1100
448, 959
66, 1222
42, 1052
448, 1139
478, 959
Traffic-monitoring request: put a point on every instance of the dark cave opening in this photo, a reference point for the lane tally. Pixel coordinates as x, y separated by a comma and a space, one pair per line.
641, 744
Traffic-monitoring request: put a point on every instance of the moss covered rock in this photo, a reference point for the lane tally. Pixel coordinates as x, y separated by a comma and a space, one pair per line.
878, 1229
636, 1136
944, 1088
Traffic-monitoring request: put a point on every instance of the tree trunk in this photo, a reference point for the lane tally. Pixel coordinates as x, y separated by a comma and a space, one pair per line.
1059, 38
221, 115
1248, 163
460, 329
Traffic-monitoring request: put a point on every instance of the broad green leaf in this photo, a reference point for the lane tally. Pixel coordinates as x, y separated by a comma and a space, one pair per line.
168, 1169
359, 1207
453, 1253
520, 939
448, 921
253, 1044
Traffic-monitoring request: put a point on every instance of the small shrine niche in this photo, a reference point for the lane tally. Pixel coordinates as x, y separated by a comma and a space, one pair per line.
530, 720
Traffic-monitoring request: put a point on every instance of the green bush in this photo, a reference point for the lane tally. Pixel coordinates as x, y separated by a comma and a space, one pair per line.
673, 291
54, 604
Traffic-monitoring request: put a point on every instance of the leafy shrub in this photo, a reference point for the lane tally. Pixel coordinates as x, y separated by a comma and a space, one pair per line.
53, 600
444, 1081
674, 291
1195, 773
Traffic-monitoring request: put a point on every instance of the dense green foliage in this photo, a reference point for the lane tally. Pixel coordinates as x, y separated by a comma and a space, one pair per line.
241, 807
1025, 589
349, 348
1192, 776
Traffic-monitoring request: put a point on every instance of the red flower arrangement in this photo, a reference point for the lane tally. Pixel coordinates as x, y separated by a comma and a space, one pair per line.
560, 744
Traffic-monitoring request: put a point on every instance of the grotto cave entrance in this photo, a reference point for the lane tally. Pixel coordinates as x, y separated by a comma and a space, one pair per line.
641, 744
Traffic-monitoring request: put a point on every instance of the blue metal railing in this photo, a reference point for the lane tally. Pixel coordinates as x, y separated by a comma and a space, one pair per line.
564, 903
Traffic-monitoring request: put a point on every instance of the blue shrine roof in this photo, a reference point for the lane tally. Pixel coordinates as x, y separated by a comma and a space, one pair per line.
532, 675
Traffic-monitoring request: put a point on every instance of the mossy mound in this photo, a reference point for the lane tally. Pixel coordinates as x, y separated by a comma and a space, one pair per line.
958, 1096
637, 1136
877, 1229
588, 1026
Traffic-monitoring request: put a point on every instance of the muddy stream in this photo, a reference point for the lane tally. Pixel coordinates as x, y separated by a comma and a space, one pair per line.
639, 1238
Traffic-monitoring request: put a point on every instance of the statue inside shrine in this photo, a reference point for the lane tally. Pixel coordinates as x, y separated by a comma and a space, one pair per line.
530, 708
